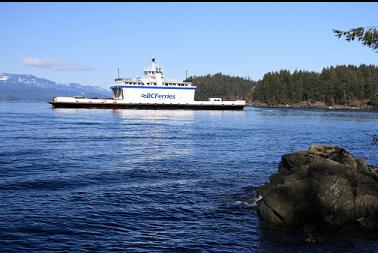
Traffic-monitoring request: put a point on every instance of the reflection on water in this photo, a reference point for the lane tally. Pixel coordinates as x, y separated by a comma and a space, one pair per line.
173, 115
167, 132
153, 114
320, 114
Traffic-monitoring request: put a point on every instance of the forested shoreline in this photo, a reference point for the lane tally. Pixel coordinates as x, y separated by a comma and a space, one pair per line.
223, 86
341, 86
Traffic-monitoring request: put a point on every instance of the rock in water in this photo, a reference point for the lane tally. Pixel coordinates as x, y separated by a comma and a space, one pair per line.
323, 185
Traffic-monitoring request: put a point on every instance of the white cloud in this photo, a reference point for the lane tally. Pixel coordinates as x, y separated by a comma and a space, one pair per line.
53, 64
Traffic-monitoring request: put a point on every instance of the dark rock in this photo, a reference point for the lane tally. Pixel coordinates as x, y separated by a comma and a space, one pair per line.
325, 186
375, 139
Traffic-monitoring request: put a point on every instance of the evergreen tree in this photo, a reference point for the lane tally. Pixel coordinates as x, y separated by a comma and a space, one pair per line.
368, 36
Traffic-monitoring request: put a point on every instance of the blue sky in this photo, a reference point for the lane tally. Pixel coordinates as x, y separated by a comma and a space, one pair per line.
86, 42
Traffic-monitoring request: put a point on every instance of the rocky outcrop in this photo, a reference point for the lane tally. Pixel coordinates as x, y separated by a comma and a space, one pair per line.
323, 185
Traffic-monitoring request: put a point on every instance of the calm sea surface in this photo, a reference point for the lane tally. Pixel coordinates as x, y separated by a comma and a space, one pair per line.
158, 181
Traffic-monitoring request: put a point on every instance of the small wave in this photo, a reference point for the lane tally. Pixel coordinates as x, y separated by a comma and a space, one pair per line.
247, 199
164, 183
254, 201
39, 184
86, 123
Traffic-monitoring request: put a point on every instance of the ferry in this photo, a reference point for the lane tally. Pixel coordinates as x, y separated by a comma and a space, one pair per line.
152, 91
3, 77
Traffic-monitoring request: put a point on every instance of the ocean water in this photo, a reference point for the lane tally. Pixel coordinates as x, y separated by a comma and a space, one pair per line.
92, 180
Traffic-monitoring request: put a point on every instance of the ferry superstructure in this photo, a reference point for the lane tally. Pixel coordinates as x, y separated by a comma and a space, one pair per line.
152, 91
153, 88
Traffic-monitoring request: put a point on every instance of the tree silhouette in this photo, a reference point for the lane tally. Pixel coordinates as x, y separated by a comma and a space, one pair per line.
367, 35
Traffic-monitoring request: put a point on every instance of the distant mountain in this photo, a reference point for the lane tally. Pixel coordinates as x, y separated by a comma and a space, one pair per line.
30, 88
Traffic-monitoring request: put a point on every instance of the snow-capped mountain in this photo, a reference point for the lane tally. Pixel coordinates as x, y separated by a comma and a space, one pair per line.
31, 88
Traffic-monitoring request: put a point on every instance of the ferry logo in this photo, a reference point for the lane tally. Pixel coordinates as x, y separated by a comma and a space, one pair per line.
158, 96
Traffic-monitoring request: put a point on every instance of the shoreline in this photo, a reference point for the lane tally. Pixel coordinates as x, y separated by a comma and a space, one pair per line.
315, 107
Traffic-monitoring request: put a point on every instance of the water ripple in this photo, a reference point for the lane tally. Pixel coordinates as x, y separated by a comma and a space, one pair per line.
158, 181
